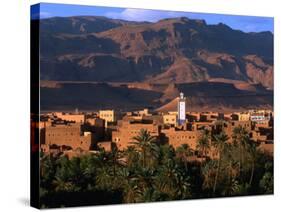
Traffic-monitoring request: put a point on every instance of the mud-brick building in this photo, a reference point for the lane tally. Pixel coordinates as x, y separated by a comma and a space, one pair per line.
231, 125
96, 126
66, 135
77, 118
126, 130
177, 137
170, 119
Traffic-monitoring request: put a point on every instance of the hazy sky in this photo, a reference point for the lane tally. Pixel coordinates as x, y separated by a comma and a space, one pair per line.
244, 23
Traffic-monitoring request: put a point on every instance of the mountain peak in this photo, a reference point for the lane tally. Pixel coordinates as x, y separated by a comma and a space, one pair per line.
183, 20
165, 51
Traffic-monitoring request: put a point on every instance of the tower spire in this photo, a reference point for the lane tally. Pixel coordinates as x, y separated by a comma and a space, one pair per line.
181, 109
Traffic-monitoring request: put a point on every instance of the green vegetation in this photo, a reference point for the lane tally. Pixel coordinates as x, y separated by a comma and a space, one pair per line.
148, 172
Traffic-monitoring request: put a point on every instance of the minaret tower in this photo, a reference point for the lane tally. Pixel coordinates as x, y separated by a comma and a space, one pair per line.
181, 109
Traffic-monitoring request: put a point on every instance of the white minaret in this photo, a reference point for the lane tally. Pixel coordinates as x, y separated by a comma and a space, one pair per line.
181, 109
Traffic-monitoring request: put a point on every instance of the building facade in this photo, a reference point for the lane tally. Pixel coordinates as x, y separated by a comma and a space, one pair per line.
176, 137
66, 135
77, 118
126, 130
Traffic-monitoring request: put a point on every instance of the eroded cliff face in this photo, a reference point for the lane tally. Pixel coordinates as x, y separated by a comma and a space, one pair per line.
175, 51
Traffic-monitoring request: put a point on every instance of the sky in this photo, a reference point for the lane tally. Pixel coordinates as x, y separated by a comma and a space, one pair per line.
244, 23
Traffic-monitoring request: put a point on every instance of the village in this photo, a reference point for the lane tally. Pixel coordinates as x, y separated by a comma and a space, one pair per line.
80, 133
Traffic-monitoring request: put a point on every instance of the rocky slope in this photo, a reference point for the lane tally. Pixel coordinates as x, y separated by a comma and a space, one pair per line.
169, 52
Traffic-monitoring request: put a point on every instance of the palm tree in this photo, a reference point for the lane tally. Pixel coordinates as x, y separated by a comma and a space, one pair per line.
231, 188
167, 152
171, 181
101, 157
148, 195
208, 172
114, 156
144, 177
219, 144
183, 152
63, 178
241, 138
47, 170
104, 179
132, 157
266, 183
75, 171
128, 183
146, 144
89, 165
203, 143
253, 154
231, 170
167, 178
62, 185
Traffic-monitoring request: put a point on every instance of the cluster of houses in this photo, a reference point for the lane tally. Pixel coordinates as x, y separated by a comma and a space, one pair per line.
77, 133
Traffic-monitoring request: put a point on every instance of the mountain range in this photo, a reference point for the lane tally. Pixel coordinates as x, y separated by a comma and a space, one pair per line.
145, 63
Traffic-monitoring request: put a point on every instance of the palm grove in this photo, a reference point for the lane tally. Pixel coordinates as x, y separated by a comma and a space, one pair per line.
148, 171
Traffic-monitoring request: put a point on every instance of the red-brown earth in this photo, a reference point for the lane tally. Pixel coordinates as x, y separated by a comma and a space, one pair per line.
129, 65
